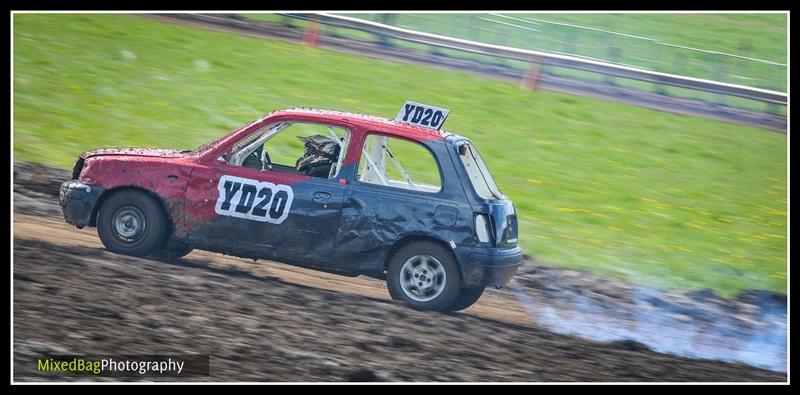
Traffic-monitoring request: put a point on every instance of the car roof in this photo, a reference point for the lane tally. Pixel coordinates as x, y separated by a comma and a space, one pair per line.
388, 126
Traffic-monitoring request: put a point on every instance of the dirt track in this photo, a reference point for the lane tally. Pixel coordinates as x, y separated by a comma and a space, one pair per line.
272, 322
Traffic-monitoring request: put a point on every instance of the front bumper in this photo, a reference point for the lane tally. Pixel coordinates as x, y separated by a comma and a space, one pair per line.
489, 266
77, 201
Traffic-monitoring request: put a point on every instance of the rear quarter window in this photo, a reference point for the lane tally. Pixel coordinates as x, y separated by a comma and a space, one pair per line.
479, 175
398, 163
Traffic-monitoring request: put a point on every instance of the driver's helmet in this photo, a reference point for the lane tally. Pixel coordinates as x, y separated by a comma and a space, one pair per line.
319, 151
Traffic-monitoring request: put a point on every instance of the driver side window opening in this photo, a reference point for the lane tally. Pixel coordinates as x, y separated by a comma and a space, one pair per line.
310, 149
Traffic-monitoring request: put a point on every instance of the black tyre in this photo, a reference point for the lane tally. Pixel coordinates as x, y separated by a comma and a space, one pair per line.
171, 253
131, 222
425, 276
466, 297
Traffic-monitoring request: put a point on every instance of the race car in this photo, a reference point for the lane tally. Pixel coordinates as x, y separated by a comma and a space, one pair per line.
396, 199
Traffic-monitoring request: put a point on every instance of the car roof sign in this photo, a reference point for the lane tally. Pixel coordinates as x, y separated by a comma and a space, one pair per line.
422, 115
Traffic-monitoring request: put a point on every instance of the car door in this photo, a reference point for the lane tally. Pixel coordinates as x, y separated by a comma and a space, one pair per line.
266, 213
394, 193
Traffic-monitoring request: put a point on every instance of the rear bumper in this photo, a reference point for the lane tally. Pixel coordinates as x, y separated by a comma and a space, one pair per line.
489, 266
77, 202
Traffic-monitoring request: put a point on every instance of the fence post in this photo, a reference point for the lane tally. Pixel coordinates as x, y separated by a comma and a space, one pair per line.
614, 54
745, 48
567, 45
311, 37
434, 50
679, 63
720, 72
386, 19
531, 78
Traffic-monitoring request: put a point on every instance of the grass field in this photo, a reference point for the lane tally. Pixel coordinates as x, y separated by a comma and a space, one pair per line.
759, 36
659, 199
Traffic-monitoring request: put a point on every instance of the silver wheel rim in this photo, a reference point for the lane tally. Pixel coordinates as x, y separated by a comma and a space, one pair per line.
422, 278
129, 223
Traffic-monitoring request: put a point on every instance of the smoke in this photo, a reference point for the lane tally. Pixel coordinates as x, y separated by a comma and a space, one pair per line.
708, 329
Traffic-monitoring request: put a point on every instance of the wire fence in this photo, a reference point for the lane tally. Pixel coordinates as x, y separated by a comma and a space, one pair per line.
593, 70
539, 33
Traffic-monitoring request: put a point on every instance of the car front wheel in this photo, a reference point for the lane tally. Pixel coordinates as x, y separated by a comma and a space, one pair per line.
424, 275
131, 222
166, 253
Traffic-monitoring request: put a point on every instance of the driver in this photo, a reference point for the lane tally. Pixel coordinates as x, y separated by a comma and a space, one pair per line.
321, 153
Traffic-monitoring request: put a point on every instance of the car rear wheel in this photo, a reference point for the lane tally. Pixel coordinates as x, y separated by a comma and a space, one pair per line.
131, 222
425, 276
466, 297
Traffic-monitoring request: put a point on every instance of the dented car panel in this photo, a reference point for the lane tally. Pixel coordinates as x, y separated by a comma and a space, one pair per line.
341, 225
375, 216
164, 177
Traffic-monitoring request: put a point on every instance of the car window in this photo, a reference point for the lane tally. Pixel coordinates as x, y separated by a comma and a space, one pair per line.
310, 149
398, 163
479, 175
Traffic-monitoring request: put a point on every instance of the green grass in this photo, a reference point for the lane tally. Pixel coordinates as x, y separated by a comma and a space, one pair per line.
656, 198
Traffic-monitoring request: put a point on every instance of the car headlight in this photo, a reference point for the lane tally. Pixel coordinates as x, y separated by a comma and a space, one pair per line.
76, 170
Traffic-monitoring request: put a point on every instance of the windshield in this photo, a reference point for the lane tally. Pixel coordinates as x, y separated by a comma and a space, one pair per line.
207, 146
478, 174
211, 144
